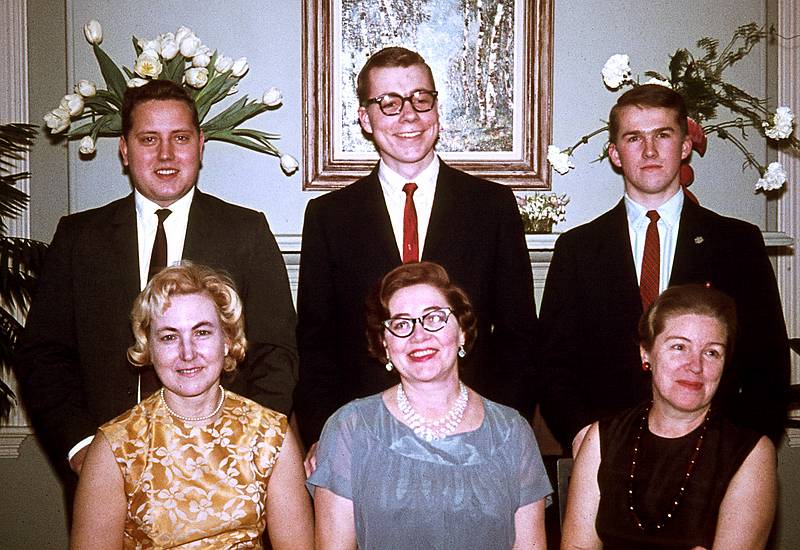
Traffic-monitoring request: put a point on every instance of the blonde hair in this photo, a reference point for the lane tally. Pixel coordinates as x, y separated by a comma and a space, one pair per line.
182, 279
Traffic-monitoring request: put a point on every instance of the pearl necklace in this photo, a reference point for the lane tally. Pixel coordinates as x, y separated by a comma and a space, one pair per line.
657, 526
433, 429
196, 418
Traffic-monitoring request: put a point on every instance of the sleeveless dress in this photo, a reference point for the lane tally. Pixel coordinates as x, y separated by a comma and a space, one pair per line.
661, 467
196, 486
458, 492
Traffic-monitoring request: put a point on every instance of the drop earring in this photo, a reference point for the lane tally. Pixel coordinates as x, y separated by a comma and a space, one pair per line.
389, 366
645, 366
461, 351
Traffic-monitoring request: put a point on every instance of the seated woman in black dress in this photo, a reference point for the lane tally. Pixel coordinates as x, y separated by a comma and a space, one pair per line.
673, 473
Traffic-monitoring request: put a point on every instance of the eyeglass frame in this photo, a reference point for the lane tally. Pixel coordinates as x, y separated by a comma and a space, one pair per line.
420, 320
377, 100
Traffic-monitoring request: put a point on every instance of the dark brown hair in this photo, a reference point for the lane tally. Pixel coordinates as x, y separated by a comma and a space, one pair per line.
690, 299
393, 56
155, 90
644, 96
417, 273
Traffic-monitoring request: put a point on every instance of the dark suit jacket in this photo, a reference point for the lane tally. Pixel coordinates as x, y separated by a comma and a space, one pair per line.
475, 232
71, 362
591, 309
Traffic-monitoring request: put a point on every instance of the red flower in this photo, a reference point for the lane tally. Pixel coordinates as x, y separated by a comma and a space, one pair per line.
698, 136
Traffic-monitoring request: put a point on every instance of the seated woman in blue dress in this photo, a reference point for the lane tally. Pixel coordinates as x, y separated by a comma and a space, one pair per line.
673, 473
193, 465
428, 463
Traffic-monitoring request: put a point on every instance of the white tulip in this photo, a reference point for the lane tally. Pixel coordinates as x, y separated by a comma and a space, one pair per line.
93, 32
272, 97
169, 49
239, 67
137, 82
57, 120
202, 58
73, 104
86, 88
87, 146
154, 44
289, 164
196, 77
190, 45
182, 33
223, 64
148, 64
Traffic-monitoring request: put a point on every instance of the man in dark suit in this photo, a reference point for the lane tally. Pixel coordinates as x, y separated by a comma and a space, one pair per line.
354, 236
592, 300
71, 362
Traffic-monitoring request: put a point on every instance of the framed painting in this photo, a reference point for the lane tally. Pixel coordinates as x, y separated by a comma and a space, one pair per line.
491, 63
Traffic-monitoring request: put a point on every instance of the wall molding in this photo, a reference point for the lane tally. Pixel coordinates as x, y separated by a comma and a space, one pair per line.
788, 265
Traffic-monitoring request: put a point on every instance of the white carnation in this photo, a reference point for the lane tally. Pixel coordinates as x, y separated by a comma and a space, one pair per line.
616, 71
558, 160
773, 179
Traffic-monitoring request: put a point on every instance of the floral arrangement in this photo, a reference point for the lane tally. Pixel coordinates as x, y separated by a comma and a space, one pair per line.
700, 80
182, 58
540, 211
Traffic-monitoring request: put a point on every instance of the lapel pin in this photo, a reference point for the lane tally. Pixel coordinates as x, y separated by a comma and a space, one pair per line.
698, 240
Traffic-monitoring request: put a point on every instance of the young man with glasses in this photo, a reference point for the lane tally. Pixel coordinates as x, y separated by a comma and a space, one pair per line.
411, 207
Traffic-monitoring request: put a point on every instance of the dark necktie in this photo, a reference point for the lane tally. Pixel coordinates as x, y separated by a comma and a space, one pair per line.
651, 260
148, 380
410, 236
158, 258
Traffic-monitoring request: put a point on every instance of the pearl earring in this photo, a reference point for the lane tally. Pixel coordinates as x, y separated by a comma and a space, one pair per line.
389, 366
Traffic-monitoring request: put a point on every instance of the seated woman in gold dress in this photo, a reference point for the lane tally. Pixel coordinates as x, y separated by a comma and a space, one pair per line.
674, 473
193, 465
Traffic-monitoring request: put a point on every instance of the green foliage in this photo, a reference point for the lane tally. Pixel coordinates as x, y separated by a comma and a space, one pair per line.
20, 259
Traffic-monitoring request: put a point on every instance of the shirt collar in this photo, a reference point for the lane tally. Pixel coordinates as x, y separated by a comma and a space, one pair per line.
670, 211
394, 182
145, 208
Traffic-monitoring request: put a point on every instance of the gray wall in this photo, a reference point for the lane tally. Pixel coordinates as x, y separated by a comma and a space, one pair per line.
269, 33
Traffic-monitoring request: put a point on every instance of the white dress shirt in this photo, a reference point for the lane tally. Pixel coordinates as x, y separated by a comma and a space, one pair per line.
174, 228
392, 186
668, 226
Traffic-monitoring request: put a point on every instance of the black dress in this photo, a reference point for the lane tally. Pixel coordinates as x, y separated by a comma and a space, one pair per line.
661, 468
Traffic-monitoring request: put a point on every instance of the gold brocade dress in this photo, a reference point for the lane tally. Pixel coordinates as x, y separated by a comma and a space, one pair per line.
196, 486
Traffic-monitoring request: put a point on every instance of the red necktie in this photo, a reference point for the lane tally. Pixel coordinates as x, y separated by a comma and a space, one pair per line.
651, 259
410, 237
148, 381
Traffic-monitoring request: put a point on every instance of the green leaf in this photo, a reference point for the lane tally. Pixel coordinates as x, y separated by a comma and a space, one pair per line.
235, 114
173, 69
214, 90
115, 81
243, 141
109, 97
136, 47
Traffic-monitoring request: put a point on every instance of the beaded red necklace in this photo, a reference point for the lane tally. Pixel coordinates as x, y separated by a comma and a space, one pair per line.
658, 525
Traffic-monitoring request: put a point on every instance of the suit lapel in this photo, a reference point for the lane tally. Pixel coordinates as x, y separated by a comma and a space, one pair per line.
198, 227
614, 251
123, 252
691, 252
444, 215
377, 226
